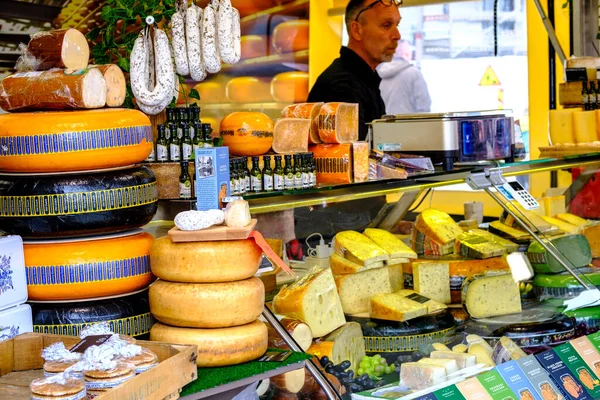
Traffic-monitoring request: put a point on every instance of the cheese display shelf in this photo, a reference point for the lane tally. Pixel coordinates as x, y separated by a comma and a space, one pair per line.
274, 63
297, 7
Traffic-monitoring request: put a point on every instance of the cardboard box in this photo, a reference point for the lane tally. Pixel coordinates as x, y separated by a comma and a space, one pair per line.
212, 177
21, 362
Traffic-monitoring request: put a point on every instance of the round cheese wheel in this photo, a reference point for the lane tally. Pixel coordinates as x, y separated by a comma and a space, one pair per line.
253, 46
205, 262
66, 205
129, 315
211, 92
247, 133
74, 140
249, 89
216, 305
215, 124
291, 36
218, 347
290, 87
246, 7
87, 268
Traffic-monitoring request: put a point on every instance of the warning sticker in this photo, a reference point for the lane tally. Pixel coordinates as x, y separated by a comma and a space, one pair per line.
489, 78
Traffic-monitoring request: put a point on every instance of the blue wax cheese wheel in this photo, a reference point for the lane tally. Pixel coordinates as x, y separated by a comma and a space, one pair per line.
68, 205
129, 315
564, 285
575, 248
403, 340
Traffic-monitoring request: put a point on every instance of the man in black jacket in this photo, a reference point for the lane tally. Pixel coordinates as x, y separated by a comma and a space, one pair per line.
373, 30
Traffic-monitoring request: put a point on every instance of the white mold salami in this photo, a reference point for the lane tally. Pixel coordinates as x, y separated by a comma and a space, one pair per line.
237, 36
179, 43
225, 32
210, 47
194, 48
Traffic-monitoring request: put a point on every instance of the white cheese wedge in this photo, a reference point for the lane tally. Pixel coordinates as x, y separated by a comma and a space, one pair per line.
450, 365
520, 267
432, 279
313, 300
462, 359
356, 290
395, 307
482, 354
419, 376
491, 295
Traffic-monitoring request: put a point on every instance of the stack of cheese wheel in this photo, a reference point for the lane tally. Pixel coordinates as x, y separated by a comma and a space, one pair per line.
207, 296
70, 187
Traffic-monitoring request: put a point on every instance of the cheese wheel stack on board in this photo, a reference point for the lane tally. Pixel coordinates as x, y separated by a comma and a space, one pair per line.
208, 296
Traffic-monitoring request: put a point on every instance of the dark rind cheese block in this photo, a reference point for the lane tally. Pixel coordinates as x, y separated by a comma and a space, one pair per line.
73, 141
128, 315
85, 269
394, 340
563, 285
575, 248
68, 205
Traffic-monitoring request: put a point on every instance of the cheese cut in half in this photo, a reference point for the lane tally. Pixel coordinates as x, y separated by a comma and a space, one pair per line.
345, 343
450, 365
290, 135
207, 305
356, 290
205, 262
390, 243
419, 376
218, 347
115, 84
358, 248
395, 307
438, 225
338, 123
342, 266
432, 280
306, 111
463, 360
73, 141
62, 48
313, 300
478, 301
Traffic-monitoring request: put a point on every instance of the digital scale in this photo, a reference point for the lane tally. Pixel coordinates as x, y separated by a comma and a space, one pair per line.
464, 137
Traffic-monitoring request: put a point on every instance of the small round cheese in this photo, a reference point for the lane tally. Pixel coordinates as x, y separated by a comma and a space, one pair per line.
218, 347
207, 305
204, 262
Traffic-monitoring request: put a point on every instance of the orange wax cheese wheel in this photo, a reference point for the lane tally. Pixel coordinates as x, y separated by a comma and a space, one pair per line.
561, 126
290, 87
307, 111
290, 135
218, 347
291, 36
338, 123
73, 141
205, 262
215, 305
584, 126
246, 7
249, 89
211, 92
247, 133
253, 46
87, 268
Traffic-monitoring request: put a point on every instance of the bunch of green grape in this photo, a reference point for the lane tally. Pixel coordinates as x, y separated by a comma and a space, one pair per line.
375, 366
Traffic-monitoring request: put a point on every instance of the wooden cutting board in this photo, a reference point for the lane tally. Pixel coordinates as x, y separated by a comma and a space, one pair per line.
214, 233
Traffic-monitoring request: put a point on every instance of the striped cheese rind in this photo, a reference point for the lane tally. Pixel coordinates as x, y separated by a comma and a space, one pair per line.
73, 141
83, 269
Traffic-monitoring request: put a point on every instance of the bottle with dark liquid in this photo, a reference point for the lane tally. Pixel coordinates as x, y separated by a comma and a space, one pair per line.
592, 94
207, 134
585, 96
313, 165
297, 172
246, 171
186, 144
169, 121
234, 178
267, 174
197, 141
185, 182
255, 176
278, 175
162, 145
305, 171
288, 173
174, 147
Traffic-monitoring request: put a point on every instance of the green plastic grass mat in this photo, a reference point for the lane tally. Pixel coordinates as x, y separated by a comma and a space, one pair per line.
209, 378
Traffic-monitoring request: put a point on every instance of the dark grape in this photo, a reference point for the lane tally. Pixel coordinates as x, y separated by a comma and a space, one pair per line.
355, 388
342, 375
330, 369
369, 385
350, 374
324, 361
346, 381
380, 383
344, 365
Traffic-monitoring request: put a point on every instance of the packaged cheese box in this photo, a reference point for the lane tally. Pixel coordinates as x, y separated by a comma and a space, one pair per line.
496, 386
579, 369
588, 353
515, 379
473, 389
570, 386
539, 378
594, 338
341, 163
449, 393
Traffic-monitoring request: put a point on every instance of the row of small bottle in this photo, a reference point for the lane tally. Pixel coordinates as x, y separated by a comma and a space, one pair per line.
590, 95
301, 174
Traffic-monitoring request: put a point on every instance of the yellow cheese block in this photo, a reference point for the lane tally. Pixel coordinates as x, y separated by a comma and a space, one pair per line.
215, 305
532, 219
561, 126
438, 225
573, 219
205, 262
554, 205
218, 347
432, 279
314, 300
358, 248
342, 266
345, 343
562, 225
433, 306
356, 290
395, 307
390, 243
83, 269
74, 140
584, 126
478, 302
396, 277
592, 233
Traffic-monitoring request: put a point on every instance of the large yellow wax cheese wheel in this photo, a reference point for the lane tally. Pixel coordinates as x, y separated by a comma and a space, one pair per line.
205, 262
561, 126
83, 269
218, 347
584, 126
207, 305
249, 89
211, 92
74, 140
290, 87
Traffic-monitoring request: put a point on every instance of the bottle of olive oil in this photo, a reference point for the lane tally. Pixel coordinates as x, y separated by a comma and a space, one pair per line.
297, 172
174, 147
185, 182
305, 171
267, 174
255, 176
162, 145
278, 176
234, 178
186, 144
246, 171
288, 172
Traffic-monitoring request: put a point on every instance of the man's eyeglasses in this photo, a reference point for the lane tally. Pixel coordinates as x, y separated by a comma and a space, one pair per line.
386, 3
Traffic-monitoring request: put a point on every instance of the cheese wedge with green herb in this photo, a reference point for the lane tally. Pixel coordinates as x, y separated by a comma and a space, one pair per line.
390, 243
358, 248
342, 266
438, 225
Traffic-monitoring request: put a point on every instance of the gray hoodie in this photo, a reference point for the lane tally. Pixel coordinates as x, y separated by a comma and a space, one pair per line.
403, 88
